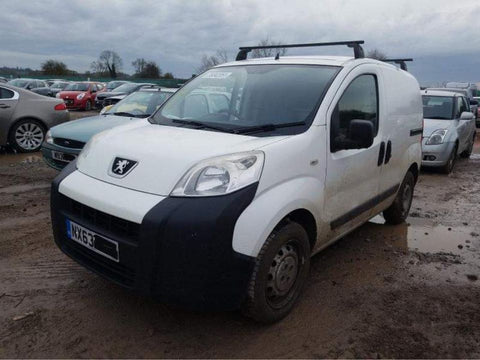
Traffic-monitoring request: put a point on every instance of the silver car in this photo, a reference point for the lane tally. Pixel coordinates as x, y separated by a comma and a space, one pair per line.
25, 117
448, 129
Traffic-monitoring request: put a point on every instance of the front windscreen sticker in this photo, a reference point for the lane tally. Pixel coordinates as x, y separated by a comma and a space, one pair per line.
216, 75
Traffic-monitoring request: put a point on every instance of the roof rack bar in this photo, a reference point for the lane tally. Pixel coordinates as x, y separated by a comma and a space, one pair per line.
400, 62
355, 44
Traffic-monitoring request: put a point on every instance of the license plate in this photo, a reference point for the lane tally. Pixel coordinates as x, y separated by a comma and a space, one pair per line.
92, 241
62, 157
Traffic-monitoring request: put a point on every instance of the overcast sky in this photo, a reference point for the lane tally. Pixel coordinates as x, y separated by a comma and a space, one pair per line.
442, 35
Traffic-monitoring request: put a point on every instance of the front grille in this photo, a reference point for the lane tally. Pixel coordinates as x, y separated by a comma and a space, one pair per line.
69, 102
68, 143
111, 224
115, 271
109, 101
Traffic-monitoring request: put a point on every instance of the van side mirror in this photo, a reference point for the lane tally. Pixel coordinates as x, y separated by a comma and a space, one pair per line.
360, 136
473, 102
467, 116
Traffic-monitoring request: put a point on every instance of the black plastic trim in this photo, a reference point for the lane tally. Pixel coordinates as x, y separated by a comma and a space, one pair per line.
415, 132
352, 214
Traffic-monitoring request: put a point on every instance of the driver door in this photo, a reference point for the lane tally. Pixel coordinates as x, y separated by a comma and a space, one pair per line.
353, 176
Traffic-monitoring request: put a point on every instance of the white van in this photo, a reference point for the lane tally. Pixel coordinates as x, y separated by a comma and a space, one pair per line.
222, 208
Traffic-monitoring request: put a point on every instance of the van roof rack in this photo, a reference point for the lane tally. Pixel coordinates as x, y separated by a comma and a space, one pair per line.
400, 62
355, 44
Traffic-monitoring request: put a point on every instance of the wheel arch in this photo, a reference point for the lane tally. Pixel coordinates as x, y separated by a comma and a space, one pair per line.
306, 219
414, 170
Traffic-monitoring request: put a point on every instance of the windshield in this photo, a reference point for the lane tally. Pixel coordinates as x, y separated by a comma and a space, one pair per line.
77, 87
268, 97
139, 104
19, 82
114, 84
437, 107
126, 87
58, 85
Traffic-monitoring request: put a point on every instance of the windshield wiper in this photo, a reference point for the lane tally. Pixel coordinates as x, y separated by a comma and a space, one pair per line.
266, 127
124, 113
201, 125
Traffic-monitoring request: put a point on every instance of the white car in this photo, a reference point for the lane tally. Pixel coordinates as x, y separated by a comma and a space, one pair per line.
223, 208
449, 128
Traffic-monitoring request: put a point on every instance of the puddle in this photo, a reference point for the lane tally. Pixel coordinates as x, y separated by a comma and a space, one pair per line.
9, 159
429, 238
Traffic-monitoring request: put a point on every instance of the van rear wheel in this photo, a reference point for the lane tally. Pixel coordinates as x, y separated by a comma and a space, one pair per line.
281, 270
398, 211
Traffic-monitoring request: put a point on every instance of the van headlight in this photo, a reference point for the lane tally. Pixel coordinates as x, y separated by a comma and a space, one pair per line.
49, 137
221, 175
437, 137
80, 96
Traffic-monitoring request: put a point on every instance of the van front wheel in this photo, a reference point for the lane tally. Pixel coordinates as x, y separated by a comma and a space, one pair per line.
281, 270
398, 211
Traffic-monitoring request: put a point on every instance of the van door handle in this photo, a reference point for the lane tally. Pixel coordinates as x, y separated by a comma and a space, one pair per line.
388, 154
3, 106
381, 154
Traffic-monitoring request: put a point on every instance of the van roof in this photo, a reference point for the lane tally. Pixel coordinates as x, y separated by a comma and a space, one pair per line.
307, 60
438, 92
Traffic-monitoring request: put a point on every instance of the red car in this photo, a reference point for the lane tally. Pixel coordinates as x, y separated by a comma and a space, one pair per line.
81, 95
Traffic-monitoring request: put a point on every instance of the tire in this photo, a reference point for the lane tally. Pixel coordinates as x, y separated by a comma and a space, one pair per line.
27, 136
398, 211
281, 270
88, 105
466, 154
448, 167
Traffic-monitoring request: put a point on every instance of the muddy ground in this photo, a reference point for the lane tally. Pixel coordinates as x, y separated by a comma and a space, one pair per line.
406, 291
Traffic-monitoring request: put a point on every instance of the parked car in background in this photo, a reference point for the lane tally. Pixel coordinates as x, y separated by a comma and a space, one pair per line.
3, 80
477, 99
111, 85
124, 89
64, 142
25, 117
471, 88
57, 86
37, 86
472, 103
51, 81
80, 95
448, 129
221, 210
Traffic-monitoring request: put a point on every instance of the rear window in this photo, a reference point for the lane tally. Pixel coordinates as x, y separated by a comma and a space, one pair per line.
6, 93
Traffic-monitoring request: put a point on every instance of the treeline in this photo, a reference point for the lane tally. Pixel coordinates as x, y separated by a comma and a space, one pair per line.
108, 64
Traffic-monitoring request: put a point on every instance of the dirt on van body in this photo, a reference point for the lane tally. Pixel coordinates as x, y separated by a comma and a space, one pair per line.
406, 291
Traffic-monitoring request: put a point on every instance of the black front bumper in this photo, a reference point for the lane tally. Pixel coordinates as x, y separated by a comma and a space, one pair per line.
181, 253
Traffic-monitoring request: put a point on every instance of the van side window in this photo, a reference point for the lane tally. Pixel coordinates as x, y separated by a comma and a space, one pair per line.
358, 102
6, 94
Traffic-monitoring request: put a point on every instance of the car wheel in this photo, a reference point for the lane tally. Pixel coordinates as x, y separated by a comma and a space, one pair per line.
88, 105
398, 211
281, 270
466, 154
448, 167
27, 136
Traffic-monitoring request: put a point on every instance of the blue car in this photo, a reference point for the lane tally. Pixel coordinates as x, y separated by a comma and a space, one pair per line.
64, 142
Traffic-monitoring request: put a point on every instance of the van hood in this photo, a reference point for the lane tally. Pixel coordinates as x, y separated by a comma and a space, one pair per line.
163, 153
83, 129
430, 125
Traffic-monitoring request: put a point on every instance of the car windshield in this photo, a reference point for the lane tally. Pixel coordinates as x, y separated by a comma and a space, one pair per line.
58, 85
261, 98
139, 104
77, 87
437, 107
113, 84
19, 82
126, 87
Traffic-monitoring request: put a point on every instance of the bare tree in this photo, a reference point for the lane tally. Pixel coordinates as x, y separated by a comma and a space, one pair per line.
377, 54
208, 62
259, 53
146, 69
108, 62
54, 67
